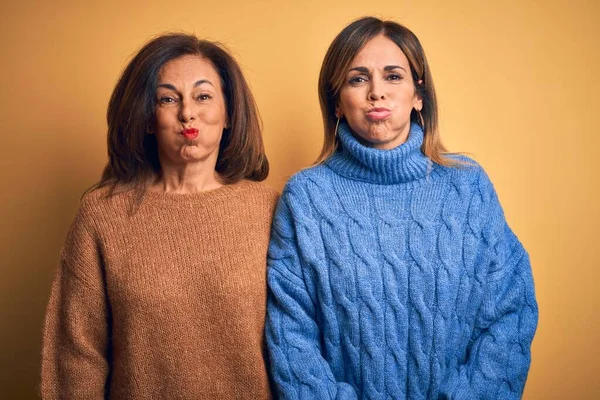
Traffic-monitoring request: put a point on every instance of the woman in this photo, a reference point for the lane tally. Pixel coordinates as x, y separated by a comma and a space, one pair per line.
392, 272
161, 288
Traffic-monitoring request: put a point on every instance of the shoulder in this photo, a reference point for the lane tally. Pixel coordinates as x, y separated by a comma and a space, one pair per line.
103, 200
251, 198
83, 230
477, 193
308, 189
101, 205
468, 174
258, 190
317, 176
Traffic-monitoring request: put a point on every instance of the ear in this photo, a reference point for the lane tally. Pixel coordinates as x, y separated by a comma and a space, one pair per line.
338, 113
418, 101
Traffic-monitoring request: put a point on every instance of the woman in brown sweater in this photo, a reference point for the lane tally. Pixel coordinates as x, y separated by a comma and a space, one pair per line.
160, 291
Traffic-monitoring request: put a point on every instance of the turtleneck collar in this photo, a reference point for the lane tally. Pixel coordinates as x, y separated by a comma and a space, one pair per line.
402, 164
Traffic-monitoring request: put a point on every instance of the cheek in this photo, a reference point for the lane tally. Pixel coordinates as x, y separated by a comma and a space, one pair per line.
409, 96
163, 117
213, 116
350, 104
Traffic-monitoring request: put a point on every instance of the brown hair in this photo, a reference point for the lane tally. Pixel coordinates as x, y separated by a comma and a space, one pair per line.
335, 66
133, 153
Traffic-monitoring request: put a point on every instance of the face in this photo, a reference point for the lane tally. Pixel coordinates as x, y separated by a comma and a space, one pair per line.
190, 111
379, 95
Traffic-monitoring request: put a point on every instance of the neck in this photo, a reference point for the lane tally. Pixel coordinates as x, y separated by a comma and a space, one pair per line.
188, 178
399, 140
403, 163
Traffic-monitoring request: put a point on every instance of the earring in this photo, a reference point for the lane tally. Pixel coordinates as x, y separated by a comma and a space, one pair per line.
421, 118
336, 126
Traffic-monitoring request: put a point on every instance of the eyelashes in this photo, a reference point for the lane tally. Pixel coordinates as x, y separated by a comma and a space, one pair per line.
169, 100
166, 100
359, 79
356, 80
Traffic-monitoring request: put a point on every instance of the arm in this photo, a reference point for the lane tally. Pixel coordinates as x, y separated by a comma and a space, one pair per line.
75, 340
298, 368
499, 355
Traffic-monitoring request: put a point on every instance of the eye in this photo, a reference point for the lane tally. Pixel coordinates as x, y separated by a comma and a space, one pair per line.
166, 100
357, 79
394, 77
204, 96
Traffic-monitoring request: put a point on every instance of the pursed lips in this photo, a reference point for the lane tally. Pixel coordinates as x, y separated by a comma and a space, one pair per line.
190, 133
378, 114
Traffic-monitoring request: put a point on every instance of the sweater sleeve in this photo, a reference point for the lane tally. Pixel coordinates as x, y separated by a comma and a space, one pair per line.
499, 355
293, 335
75, 345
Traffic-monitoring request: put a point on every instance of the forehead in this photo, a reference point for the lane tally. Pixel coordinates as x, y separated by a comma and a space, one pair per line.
188, 69
379, 52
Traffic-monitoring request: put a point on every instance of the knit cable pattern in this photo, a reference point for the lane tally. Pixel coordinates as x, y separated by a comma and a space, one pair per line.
390, 277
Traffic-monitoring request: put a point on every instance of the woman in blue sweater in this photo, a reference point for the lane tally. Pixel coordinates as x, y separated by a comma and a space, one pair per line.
392, 271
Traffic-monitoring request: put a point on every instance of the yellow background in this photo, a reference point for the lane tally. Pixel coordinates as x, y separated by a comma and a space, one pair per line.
518, 86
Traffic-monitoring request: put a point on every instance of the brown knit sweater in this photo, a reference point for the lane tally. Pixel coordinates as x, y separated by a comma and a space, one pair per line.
168, 303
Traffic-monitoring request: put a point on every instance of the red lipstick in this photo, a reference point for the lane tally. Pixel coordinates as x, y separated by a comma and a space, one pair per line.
378, 114
190, 133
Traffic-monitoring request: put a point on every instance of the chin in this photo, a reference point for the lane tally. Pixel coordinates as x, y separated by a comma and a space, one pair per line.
380, 136
193, 153
385, 142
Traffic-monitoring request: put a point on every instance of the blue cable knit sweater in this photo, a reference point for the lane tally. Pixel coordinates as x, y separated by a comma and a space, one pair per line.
393, 277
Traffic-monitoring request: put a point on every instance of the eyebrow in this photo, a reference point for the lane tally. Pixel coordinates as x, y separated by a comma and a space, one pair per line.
198, 83
365, 70
201, 81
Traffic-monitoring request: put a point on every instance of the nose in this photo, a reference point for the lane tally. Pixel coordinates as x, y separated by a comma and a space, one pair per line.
187, 111
376, 91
